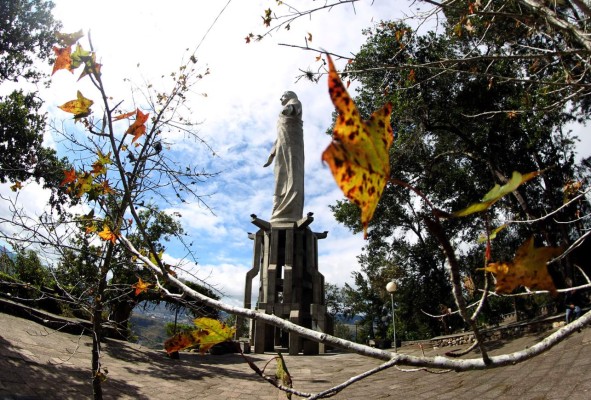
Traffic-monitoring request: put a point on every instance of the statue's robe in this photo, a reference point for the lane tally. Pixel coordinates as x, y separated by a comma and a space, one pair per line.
288, 199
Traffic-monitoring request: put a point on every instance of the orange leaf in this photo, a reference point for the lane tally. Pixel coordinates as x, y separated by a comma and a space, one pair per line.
138, 128
107, 235
63, 60
70, 177
359, 153
106, 187
527, 269
79, 107
178, 342
123, 116
141, 286
17, 185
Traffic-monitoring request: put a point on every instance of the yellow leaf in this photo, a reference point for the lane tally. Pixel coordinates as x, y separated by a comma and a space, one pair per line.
91, 229
99, 166
493, 234
140, 286
528, 269
215, 332
282, 374
68, 39
79, 107
209, 332
107, 235
358, 155
496, 193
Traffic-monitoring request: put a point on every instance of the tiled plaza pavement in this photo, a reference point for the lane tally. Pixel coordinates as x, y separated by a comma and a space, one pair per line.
38, 363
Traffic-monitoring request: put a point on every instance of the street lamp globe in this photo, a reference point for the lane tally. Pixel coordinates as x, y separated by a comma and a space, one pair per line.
391, 287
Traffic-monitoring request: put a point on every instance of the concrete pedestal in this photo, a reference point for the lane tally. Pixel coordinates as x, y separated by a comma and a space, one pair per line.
291, 287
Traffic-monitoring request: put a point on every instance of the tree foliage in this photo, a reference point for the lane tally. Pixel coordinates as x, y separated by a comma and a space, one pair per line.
445, 150
27, 33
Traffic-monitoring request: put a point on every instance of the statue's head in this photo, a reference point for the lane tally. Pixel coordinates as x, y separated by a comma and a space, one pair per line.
288, 95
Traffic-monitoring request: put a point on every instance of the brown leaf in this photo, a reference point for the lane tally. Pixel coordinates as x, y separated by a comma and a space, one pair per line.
528, 268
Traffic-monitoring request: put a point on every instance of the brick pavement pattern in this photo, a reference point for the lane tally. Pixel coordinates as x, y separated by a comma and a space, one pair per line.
39, 363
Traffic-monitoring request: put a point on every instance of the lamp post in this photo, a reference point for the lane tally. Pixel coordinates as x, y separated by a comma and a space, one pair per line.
391, 288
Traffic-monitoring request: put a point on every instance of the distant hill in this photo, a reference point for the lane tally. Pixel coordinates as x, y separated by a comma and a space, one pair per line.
9, 253
149, 331
148, 324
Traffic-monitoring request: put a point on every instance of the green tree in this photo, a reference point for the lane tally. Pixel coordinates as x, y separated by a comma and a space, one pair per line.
334, 300
27, 34
452, 155
6, 262
29, 269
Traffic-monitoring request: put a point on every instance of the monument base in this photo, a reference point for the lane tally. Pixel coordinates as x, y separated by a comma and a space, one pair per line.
291, 287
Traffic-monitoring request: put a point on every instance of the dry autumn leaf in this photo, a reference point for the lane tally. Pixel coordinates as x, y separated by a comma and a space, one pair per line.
528, 269
99, 166
79, 107
138, 128
358, 155
282, 374
140, 286
571, 189
496, 193
90, 229
17, 186
179, 342
68, 39
70, 176
209, 332
124, 116
63, 59
107, 235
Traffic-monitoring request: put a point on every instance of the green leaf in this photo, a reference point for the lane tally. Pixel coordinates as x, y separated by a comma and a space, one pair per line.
282, 375
496, 193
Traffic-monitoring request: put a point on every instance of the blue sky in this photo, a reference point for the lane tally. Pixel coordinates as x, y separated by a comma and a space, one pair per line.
237, 104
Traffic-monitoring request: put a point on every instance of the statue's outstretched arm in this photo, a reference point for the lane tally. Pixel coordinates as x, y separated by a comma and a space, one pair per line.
271, 156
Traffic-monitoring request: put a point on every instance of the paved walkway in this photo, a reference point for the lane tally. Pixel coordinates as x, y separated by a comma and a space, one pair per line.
39, 363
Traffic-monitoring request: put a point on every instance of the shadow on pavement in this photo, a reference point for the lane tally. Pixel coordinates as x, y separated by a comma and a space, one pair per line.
23, 377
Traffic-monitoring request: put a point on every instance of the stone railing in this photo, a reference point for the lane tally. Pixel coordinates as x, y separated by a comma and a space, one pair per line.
512, 330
